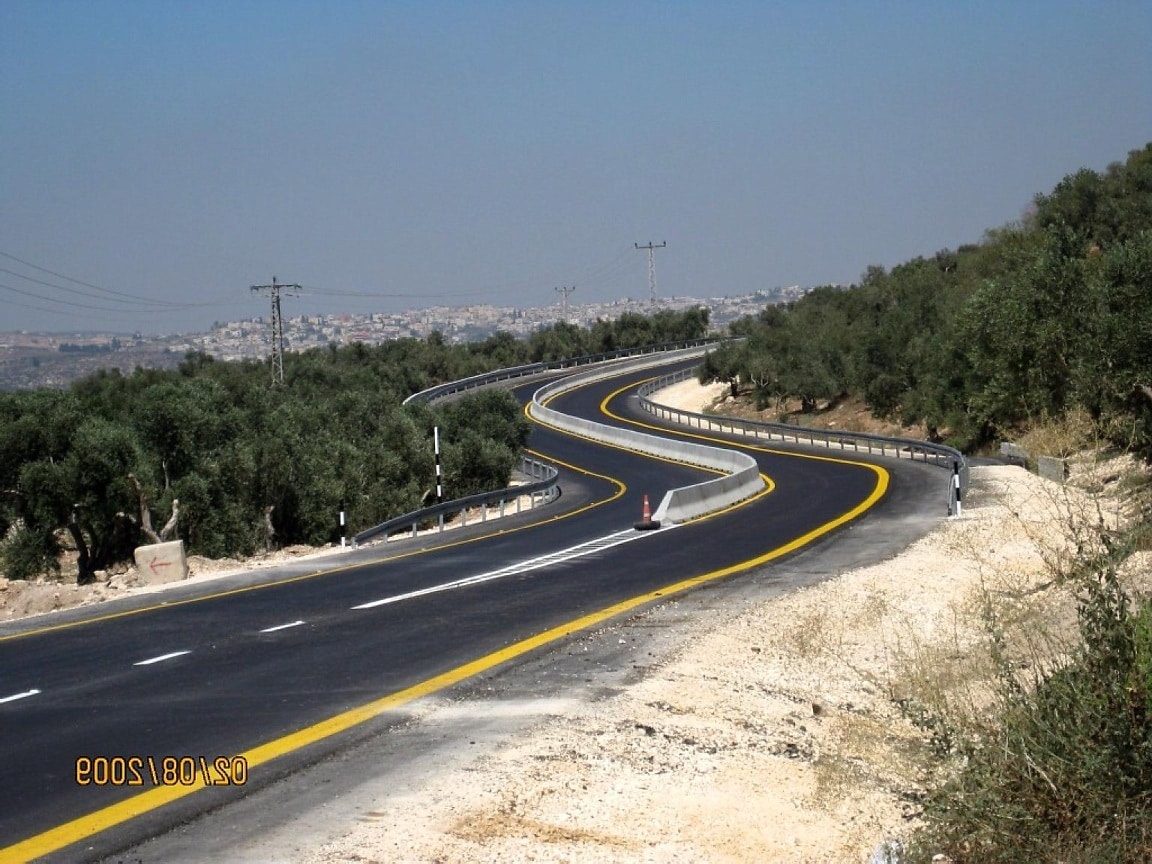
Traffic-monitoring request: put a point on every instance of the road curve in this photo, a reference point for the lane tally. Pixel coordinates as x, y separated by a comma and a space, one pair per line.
283, 674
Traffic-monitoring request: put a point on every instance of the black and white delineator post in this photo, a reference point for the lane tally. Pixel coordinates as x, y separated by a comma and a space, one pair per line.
954, 494
436, 448
439, 484
343, 527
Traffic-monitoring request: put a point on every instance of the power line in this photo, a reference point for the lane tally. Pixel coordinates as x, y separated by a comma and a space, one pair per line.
312, 290
35, 308
652, 247
74, 291
609, 272
70, 302
114, 304
104, 291
98, 312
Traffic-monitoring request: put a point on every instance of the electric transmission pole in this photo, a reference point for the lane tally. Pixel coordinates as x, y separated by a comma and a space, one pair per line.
651, 247
565, 292
273, 291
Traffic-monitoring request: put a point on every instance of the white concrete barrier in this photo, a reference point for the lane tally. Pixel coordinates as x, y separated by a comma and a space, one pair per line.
741, 473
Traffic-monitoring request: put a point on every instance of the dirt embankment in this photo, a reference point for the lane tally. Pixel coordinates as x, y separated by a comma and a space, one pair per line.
775, 737
20, 599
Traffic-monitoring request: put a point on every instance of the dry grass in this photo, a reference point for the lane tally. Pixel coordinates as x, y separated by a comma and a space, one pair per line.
1062, 437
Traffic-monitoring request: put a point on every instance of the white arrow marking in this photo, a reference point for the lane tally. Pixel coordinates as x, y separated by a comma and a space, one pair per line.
281, 627
161, 658
16, 696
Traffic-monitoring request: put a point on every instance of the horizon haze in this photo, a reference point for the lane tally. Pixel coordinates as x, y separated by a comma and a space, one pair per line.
159, 159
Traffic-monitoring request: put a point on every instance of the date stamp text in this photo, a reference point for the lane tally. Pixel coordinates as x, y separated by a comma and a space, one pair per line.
161, 771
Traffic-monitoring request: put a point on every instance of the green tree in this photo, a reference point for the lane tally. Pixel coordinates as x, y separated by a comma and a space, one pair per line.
557, 342
36, 429
724, 363
88, 493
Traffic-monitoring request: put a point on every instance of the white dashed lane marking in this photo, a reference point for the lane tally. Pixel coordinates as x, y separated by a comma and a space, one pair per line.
563, 555
161, 658
16, 696
281, 627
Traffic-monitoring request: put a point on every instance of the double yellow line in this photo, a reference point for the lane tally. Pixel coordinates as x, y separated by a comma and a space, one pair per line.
93, 823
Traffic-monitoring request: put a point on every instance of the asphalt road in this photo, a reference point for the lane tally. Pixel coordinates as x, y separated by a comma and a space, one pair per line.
254, 670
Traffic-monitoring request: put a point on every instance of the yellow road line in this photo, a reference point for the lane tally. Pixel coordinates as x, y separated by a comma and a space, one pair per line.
769, 483
621, 489
622, 447
93, 823
882, 475
116, 814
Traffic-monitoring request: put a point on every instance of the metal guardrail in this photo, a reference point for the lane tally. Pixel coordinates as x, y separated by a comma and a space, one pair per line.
939, 454
439, 391
545, 486
542, 488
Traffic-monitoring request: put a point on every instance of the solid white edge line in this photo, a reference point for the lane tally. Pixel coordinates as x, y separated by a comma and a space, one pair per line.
281, 627
16, 696
162, 657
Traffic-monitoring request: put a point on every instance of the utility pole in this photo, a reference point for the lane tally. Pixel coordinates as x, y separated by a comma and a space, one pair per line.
273, 291
565, 291
651, 247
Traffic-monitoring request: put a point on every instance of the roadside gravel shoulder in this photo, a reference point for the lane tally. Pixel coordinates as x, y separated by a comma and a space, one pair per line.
769, 733
752, 720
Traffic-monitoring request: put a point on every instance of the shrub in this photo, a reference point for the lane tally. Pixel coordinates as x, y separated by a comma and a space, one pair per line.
1065, 772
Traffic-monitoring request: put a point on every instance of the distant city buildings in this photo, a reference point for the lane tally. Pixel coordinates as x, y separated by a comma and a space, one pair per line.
236, 340
30, 360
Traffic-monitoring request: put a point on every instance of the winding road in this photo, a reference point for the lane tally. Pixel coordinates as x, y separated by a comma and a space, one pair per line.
263, 676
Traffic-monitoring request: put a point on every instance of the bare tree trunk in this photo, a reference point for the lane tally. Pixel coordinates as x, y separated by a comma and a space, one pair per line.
170, 526
145, 523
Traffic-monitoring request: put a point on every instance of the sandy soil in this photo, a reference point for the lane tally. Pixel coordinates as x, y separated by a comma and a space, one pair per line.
19, 599
776, 737
773, 738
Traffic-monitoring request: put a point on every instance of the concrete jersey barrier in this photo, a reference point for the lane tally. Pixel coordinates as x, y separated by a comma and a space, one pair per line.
740, 473
547, 485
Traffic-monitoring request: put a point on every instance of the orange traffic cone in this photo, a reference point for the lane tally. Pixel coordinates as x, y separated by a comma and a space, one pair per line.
646, 523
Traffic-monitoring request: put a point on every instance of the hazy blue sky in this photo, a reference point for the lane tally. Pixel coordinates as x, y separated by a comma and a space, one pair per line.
439, 152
